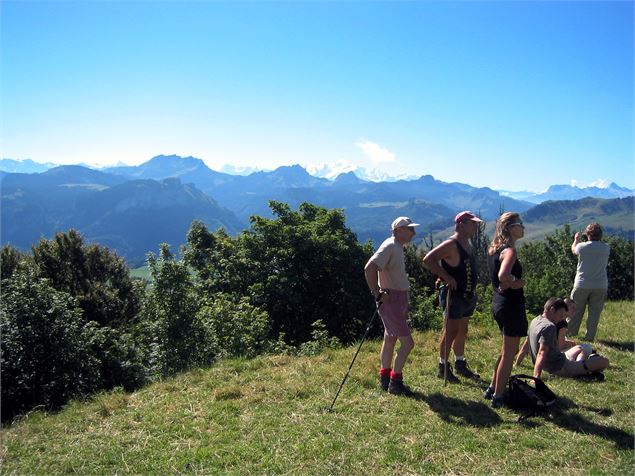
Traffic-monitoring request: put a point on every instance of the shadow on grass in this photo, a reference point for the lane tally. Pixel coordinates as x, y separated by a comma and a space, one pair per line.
462, 412
565, 416
623, 346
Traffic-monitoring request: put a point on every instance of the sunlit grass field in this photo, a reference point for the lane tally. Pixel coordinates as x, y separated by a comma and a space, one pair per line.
269, 415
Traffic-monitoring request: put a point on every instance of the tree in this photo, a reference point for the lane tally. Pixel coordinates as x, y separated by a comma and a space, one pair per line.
171, 308
9, 261
94, 275
299, 267
620, 268
46, 355
548, 268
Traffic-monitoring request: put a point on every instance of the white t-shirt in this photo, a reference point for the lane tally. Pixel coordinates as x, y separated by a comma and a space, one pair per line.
391, 262
593, 256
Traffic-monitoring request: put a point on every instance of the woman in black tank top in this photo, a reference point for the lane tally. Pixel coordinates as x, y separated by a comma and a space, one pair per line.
508, 299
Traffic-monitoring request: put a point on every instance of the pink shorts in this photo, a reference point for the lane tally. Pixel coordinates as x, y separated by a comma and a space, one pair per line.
394, 314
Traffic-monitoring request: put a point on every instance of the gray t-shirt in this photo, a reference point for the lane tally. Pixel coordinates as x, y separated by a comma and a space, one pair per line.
543, 331
593, 256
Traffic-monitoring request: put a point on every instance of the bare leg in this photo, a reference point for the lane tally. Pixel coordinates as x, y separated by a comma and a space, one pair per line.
406, 345
387, 349
498, 361
458, 346
450, 333
509, 350
597, 363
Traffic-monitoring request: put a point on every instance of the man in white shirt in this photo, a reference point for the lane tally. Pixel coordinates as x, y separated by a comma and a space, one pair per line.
386, 277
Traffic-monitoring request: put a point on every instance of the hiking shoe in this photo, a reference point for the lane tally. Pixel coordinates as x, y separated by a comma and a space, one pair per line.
593, 376
488, 393
451, 377
498, 402
397, 387
462, 369
384, 382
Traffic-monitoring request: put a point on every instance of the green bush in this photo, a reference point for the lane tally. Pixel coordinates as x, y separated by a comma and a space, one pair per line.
46, 349
170, 314
233, 327
425, 312
320, 340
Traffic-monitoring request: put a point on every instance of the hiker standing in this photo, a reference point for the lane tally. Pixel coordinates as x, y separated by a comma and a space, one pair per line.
591, 282
455, 263
508, 299
387, 279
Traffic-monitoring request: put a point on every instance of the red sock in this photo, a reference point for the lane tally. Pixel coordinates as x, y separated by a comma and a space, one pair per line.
385, 372
395, 376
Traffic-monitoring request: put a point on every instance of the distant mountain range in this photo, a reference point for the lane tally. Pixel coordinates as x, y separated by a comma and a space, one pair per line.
134, 208
162, 165
571, 192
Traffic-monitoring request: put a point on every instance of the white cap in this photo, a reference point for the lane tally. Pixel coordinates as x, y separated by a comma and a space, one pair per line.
402, 221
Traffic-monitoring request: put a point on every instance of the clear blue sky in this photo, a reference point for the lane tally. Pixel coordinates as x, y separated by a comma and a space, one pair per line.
507, 94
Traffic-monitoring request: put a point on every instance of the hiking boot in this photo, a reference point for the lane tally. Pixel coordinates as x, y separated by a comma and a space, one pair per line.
593, 376
397, 387
488, 393
384, 382
451, 376
462, 369
498, 402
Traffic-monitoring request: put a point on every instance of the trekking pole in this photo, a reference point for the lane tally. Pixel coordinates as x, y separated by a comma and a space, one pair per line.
378, 304
445, 336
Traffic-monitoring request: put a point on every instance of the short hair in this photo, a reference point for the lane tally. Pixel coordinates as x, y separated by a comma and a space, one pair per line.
556, 303
593, 231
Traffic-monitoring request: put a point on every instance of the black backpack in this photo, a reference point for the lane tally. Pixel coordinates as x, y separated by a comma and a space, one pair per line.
522, 396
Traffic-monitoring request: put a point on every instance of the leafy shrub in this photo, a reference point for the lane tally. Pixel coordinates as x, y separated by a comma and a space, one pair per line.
548, 268
171, 307
620, 268
300, 267
94, 275
46, 352
425, 312
233, 327
320, 340
120, 358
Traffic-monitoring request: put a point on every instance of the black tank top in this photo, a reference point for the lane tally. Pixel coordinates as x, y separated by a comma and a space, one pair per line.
508, 296
464, 273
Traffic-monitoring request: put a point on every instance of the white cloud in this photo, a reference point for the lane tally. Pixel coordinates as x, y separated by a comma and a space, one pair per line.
574, 183
375, 152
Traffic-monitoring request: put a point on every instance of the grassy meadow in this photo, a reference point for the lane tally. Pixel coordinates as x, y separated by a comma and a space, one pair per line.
269, 415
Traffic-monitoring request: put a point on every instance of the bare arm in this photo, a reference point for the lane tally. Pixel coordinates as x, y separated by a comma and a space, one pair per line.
505, 276
370, 272
576, 241
432, 261
563, 343
540, 360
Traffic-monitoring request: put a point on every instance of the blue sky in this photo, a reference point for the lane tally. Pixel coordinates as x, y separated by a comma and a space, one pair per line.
506, 94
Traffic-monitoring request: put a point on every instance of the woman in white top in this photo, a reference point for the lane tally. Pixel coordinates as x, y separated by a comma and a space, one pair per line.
591, 283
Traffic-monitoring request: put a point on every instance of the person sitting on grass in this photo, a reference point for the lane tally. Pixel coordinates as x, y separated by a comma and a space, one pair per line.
546, 353
563, 343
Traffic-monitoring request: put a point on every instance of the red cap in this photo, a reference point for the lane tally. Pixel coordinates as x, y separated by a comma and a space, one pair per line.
462, 216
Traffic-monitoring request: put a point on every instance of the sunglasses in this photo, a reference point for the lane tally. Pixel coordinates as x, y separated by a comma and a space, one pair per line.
519, 223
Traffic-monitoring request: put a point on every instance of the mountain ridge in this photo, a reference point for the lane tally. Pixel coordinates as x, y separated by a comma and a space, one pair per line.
133, 209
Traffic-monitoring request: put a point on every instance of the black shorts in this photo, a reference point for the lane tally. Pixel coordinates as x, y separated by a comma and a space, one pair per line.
512, 321
461, 304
